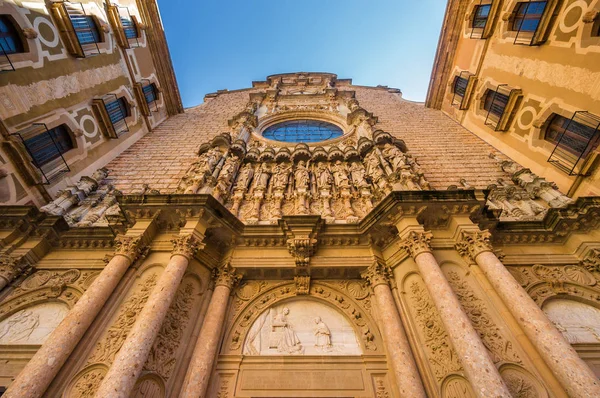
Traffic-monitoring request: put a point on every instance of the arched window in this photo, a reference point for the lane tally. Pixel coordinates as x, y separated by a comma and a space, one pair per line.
10, 41
46, 147
303, 131
528, 15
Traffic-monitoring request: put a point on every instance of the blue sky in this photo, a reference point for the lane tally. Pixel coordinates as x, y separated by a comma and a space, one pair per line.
228, 44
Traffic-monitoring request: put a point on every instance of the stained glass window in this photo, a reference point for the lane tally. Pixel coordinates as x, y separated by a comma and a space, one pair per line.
303, 131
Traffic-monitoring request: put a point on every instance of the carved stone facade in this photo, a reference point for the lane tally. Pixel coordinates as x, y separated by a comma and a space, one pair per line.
358, 265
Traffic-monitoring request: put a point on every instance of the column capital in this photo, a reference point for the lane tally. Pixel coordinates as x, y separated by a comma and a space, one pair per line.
472, 243
186, 245
417, 242
129, 246
226, 276
377, 274
11, 267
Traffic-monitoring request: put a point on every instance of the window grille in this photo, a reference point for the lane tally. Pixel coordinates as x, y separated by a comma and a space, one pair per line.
575, 138
481, 16
112, 112
499, 104
79, 30
462, 87
10, 43
527, 21
129, 26
46, 149
150, 93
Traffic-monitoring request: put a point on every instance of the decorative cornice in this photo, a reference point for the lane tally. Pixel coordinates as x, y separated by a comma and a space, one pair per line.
417, 242
128, 246
226, 276
186, 245
472, 243
591, 262
377, 274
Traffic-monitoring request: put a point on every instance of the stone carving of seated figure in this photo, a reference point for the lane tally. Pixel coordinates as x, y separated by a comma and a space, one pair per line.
283, 337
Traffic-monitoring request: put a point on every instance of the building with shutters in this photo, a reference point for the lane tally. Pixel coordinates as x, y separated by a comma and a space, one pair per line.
302, 237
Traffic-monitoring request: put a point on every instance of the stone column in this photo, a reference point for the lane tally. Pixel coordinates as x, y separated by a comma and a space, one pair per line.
572, 372
478, 365
131, 357
39, 372
398, 348
201, 364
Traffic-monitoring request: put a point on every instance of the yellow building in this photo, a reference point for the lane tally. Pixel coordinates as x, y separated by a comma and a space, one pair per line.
303, 237
523, 76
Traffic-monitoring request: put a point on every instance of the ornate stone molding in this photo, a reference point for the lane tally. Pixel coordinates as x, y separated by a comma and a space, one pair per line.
377, 274
302, 248
591, 262
185, 245
128, 246
302, 284
417, 242
11, 267
226, 276
473, 243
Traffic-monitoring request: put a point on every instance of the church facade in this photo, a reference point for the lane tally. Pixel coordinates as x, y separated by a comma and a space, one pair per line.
303, 237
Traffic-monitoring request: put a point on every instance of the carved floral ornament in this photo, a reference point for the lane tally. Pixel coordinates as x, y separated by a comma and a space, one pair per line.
473, 243
186, 245
259, 296
226, 276
377, 274
128, 246
417, 242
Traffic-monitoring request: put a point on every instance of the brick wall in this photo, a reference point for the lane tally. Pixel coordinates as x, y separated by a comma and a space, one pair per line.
162, 157
446, 151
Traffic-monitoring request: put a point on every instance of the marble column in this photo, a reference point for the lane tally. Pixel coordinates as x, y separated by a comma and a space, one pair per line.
479, 367
201, 364
39, 372
131, 357
400, 355
571, 371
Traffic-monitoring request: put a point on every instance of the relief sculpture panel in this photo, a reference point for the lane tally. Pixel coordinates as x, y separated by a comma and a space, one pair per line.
301, 327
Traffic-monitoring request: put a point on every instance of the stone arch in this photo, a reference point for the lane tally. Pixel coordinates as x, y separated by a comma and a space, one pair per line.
86, 382
456, 386
149, 385
343, 297
67, 295
33, 323
521, 383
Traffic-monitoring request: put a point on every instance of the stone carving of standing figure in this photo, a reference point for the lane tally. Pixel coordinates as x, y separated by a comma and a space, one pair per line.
373, 168
281, 174
394, 156
245, 176
357, 172
324, 178
289, 341
322, 335
261, 181
340, 175
301, 175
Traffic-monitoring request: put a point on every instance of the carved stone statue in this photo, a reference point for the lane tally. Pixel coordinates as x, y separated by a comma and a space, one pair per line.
374, 168
340, 175
284, 336
394, 156
263, 174
245, 176
357, 172
301, 175
322, 335
281, 173
323, 174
